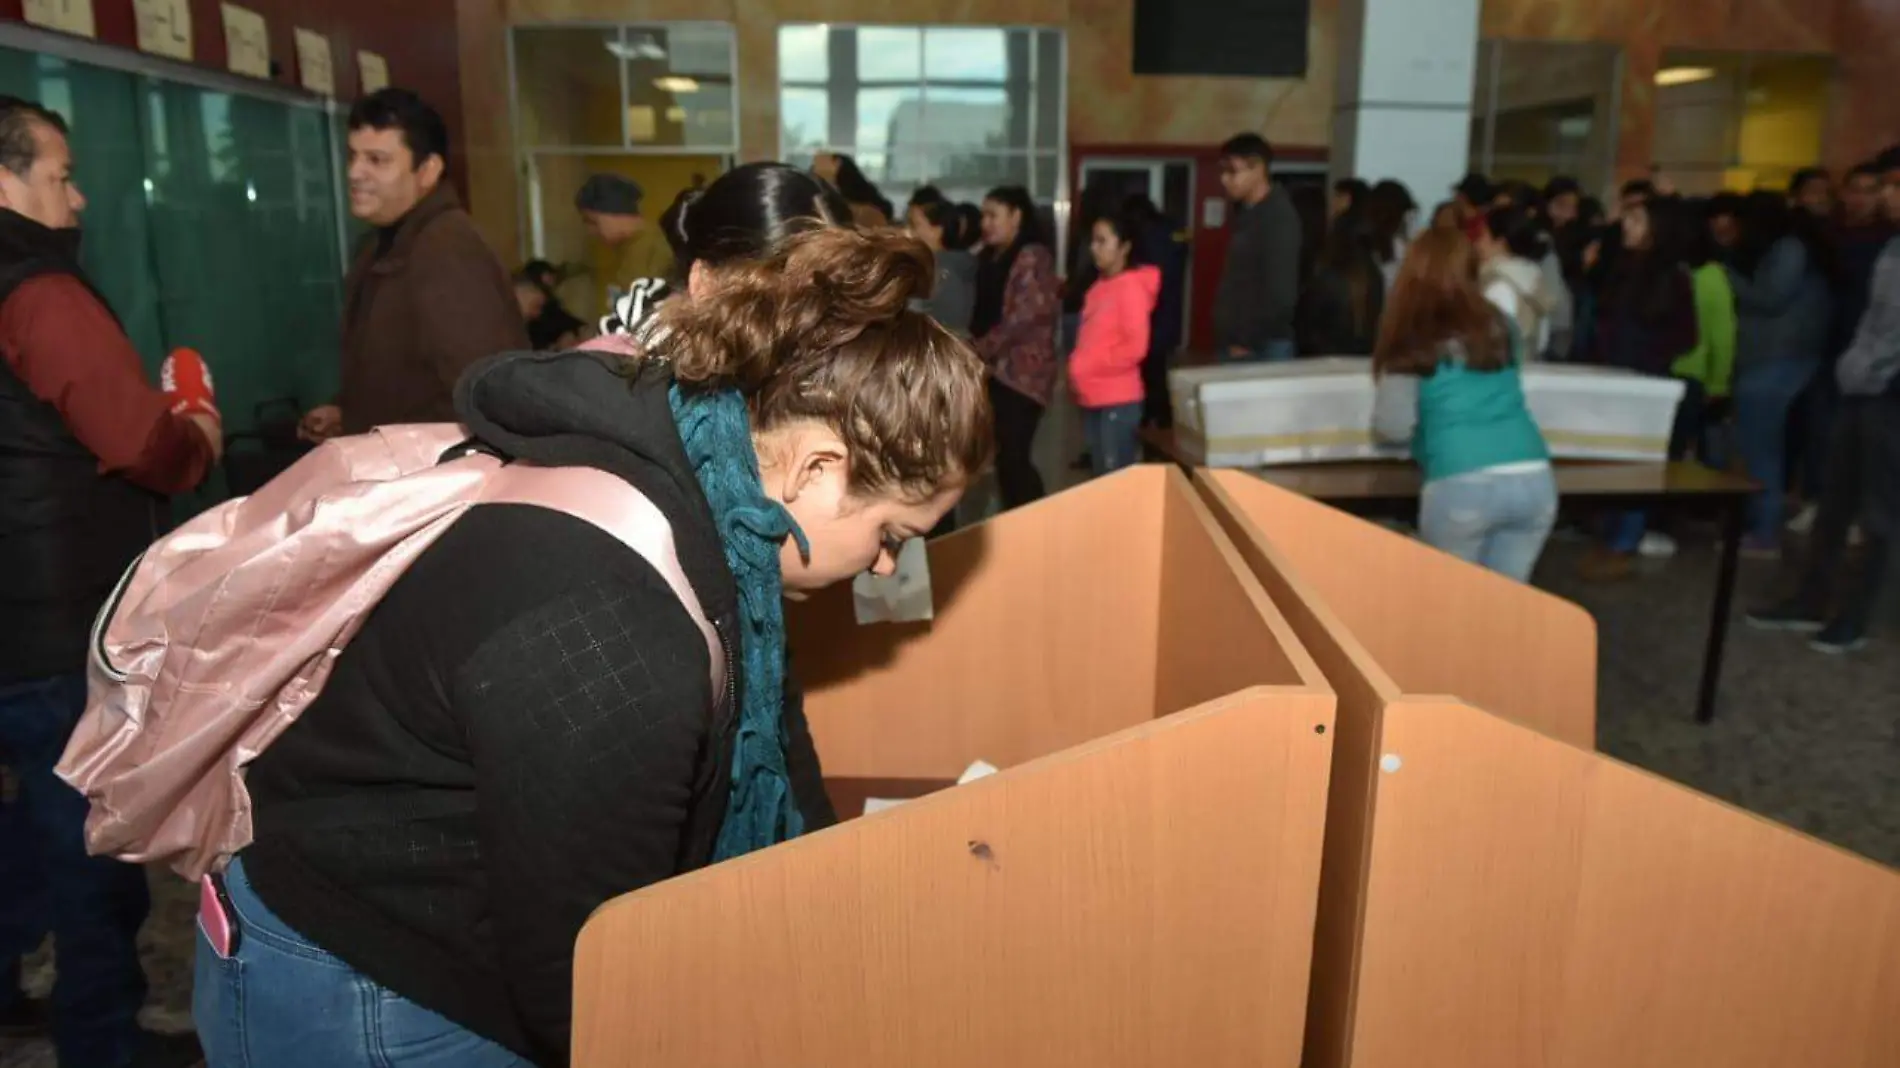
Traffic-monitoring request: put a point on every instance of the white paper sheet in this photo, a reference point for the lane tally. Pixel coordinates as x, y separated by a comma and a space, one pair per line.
902, 597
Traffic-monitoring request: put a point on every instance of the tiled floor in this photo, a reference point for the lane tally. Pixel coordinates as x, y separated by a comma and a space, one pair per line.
1810, 740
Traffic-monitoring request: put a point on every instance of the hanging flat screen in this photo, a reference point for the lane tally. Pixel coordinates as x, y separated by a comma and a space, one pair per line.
1241, 38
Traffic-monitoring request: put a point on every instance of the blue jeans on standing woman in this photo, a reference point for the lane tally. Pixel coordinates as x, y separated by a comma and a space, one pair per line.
1764, 395
1113, 435
1498, 519
93, 906
282, 1001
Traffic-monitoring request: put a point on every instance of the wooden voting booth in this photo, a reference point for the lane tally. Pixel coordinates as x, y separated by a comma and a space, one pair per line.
1136, 887
1494, 893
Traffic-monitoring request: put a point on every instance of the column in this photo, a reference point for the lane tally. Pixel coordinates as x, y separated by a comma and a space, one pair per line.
1403, 105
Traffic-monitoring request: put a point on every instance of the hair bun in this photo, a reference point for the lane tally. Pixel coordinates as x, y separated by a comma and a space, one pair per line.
864, 275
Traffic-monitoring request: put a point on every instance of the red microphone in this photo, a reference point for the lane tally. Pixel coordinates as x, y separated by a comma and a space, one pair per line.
186, 382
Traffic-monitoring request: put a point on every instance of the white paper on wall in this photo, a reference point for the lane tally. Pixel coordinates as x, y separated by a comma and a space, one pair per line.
313, 63
246, 42
372, 70
66, 16
164, 27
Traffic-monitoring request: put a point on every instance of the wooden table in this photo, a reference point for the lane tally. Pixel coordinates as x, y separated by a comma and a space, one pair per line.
1390, 489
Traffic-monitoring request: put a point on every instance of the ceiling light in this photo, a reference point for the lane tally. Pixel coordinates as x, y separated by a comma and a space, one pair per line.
644, 48
674, 83
1683, 75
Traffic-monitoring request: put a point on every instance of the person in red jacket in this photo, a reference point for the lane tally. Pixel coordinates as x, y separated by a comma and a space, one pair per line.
89, 450
1105, 368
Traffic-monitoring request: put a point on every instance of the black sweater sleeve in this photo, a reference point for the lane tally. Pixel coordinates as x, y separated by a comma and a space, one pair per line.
585, 720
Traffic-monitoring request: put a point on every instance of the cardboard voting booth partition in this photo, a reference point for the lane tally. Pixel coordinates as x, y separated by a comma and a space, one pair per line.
1494, 893
1135, 887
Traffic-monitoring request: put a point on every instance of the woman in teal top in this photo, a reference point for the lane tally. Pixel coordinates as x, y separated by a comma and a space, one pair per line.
1446, 368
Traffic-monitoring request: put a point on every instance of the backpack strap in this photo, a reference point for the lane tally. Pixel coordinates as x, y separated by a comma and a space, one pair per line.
615, 506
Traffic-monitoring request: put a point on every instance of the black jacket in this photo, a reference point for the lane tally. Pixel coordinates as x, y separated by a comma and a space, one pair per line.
522, 730
67, 532
1259, 286
1327, 324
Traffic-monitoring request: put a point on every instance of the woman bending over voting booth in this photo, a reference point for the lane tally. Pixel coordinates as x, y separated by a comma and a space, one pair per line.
543, 712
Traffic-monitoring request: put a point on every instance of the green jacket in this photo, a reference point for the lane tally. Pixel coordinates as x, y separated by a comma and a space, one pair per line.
1712, 361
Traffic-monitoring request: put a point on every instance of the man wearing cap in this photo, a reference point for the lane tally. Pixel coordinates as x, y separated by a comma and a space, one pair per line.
610, 206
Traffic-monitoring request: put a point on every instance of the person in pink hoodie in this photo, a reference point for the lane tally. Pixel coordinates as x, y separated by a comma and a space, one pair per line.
1105, 368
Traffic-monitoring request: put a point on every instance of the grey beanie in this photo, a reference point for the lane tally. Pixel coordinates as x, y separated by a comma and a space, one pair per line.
609, 194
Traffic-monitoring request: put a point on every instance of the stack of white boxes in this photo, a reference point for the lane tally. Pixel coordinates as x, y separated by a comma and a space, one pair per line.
1316, 410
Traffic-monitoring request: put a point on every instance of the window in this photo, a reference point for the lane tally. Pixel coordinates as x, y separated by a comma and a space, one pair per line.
966, 108
1738, 121
1545, 108
659, 88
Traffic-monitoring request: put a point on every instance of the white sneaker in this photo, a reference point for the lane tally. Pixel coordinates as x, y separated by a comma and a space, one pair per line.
1656, 544
1803, 520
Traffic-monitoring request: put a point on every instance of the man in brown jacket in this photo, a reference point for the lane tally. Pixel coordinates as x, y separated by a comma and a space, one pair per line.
426, 296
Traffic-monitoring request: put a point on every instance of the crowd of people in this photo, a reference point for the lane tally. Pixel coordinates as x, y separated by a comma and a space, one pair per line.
1771, 307
797, 379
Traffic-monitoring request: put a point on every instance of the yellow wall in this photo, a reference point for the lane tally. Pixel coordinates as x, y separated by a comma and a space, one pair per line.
1784, 118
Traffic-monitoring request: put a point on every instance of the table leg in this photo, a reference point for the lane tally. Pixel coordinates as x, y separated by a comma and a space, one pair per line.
1732, 525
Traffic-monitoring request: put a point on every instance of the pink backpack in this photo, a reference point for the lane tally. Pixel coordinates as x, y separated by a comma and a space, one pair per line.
222, 633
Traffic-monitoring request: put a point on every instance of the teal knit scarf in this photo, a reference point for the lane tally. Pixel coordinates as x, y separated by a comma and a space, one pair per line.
717, 432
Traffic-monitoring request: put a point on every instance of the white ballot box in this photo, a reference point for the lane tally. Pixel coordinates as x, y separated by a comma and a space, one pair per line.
1317, 410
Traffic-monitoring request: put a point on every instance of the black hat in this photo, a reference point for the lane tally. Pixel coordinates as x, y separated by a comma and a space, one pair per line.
609, 194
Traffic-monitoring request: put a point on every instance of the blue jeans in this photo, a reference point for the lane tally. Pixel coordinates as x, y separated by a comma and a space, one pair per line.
1272, 352
1689, 433
93, 906
1764, 395
284, 1002
1113, 436
1498, 520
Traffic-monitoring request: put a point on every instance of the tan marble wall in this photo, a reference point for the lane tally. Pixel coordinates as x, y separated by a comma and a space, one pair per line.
1866, 114
494, 190
1864, 35
1109, 105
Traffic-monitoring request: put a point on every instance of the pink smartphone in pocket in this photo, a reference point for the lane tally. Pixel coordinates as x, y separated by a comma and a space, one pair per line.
216, 918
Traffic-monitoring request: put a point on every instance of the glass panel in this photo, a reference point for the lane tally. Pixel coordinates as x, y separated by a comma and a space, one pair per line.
1048, 89
906, 168
804, 116
1784, 114
679, 87
244, 245
1698, 117
1555, 110
881, 110
965, 120
964, 54
1046, 169
889, 53
967, 176
803, 53
567, 84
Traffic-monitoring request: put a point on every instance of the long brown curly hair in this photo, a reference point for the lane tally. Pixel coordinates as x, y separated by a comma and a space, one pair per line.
822, 328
